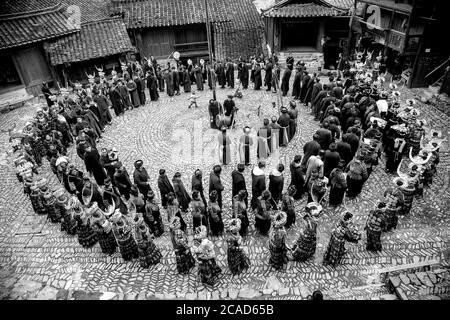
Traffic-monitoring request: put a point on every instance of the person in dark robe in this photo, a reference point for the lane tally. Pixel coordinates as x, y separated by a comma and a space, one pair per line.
309, 89
122, 180
285, 80
186, 81
331, 160
258, 182
116, 100
176, 80
168, 79
164, 186
353, 140
268, 74
276, 77
152, 85
305, 86
293, 114
230, 107
47, 93
317, 102
297, 179
245, 142
124, 95
324, 136
94, 165
180, 192
141, 178
288, 206
92, 107
91, 119
160, 77
296, 87
132, 89
102, 105
338, 184
345, 151
284, 121
276, 182
107, 163
209, 75
230, 74
356, 175
215, 183
225, 146
197, 184
213, 109
221, 77
258, 77
238, 181
140, 87
181, 76
244, 74
198, 77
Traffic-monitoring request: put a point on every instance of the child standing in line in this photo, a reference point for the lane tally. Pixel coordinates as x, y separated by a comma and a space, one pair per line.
193, 99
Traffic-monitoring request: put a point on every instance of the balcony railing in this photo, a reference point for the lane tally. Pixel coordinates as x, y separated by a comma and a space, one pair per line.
191, 46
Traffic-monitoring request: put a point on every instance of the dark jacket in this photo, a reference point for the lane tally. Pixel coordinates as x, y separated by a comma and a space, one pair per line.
330, 161
238, 182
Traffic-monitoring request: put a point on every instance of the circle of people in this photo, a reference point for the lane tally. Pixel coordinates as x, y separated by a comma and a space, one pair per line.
359, 119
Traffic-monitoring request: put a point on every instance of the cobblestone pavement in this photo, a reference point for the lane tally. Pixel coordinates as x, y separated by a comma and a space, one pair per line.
37, 260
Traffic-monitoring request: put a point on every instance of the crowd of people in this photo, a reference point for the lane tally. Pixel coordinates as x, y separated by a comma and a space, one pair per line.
360, 118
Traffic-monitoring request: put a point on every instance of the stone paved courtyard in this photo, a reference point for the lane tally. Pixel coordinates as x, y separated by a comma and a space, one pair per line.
37, 260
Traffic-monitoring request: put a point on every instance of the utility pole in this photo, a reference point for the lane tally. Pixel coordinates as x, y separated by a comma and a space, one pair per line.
208, 32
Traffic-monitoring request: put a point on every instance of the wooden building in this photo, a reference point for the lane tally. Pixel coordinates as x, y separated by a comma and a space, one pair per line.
314, 26
25, 26
411, 33
160, 27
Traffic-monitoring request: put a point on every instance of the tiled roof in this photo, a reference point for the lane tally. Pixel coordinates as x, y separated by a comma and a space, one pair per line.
20, 29
163, 13
298, 10
96, 39
242, 35
341, 4
91, 10
16, 7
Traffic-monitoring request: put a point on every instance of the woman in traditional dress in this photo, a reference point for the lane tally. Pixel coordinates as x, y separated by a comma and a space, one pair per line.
53, 211
394, 200
149, 254
185, 260
152, 215
356, 176
374, 226
86, 235
215, 215
173, 209
277, 241
287, 206
198, 211
103, 229
344, 231
305, 246
240, 211
124, 235
186, 80
208, 270
338, 184
198, 77
264, 206
132, 89
68, 223
180, 191
237, 259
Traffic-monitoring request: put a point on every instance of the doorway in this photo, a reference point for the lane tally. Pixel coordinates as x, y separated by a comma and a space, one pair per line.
299, 36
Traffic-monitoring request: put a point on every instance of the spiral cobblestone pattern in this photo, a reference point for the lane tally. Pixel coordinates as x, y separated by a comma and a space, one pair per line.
34, 250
